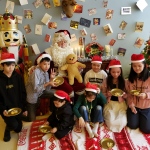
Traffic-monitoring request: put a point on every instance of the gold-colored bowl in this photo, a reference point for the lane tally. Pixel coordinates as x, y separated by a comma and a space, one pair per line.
116, 92
58, 80
45, 128
107, 143
14, 111
135, 92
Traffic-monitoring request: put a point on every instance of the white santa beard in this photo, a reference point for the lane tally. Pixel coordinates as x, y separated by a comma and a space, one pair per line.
14, 50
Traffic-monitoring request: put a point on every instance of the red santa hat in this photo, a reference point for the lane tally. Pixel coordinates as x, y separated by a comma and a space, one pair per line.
7, 57
114, 64
137, 58
62, 95
43, 56
91, 87
61, 35
96, 59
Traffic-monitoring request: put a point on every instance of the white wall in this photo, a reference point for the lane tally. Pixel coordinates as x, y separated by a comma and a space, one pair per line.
128, 42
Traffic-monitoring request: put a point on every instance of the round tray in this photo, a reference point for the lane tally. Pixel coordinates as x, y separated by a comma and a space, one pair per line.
135, 92
45, 129
58, 80
116, 92
14, 111
107, 143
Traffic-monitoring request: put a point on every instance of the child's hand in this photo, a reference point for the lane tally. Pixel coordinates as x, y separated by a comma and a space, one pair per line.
52, 74
142, 95
53, 130
109, 94
5, 113
133, 109
25, 113
52, 83
81, 122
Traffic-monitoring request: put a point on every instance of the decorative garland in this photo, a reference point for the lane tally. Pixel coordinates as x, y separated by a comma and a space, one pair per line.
94, 49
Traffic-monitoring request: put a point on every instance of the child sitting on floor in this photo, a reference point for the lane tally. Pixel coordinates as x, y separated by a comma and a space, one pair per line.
88, 108
61, 120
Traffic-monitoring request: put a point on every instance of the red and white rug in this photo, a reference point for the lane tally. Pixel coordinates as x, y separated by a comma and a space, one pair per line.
31, 139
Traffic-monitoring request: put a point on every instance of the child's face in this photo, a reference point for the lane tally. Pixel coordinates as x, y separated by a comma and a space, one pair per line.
45, 65
9, 69
59, 104
115, 72
90, 98
138, 67
96, 67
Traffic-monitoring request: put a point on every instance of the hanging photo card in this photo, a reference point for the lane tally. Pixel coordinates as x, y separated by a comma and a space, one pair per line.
47, 38
52, 25
85, 22
27, 28
74, 24
112, 42
35, 49
63, 16
28, 13
139, 26
47, 4
139, 42
10, 6
125, 10
23, 2
83, 32
92, 11
107, 29
73, 37
56, 3
121, 36
96, 21
109, 14
93, 37
121, 51
20, 18
78, 8
105, 3
37, 3
38, 29
123, 25
141, 4
46, 18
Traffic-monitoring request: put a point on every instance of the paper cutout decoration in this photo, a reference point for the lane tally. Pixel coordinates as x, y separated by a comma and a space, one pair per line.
83, 32
38, 29
47, 38
141, 4
139, 42
112, 42
93, 37
20, 18
10, 6
96, 21
85, 22
121, 36
37, 3
109, 14
107, 29
105, 3
46, 18
78, 8
74, 24
139, 26
123, 25
35, 49
121, 51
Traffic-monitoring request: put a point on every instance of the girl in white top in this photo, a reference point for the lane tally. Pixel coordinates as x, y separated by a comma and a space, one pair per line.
95, 75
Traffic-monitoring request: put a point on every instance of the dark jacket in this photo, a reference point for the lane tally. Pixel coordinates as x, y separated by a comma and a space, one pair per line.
63, 116
12, 92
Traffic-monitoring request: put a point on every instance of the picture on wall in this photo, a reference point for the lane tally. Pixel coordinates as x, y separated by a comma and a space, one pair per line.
112, 42
123, 25
139, 26
109, 14
74, 24
139, 42
78, 8
121, 36
96, 21
125, 10
121, 51
107, 29
85, 22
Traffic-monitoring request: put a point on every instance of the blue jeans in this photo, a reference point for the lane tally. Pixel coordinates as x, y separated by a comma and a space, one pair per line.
140, 120
96, 114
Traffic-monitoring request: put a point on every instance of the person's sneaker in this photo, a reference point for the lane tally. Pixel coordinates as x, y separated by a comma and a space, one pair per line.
6, 135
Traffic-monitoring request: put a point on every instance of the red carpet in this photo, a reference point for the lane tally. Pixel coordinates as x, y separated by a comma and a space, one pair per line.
31, 139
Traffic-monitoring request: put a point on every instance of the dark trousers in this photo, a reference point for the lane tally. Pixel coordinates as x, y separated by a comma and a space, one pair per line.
13, 123
140, 120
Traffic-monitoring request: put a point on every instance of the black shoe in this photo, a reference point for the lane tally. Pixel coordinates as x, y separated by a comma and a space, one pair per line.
7, 135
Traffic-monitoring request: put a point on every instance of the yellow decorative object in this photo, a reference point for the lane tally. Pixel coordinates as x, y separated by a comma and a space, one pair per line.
8, 22
72, 68
27, 65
